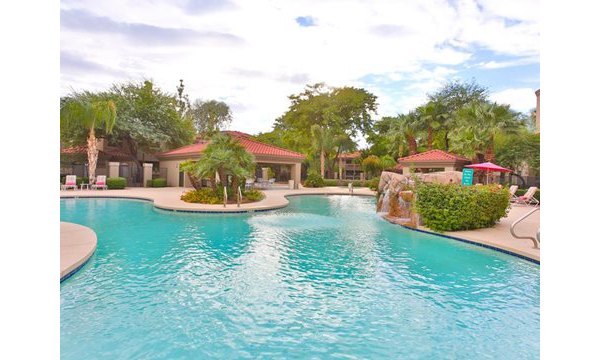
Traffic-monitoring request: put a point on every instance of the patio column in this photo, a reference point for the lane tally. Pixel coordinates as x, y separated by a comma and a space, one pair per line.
147, 173
265, 173
449, 168
113, 169
405, 170
296, 174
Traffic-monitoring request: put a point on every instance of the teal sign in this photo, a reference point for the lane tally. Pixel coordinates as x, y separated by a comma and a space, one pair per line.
467, 177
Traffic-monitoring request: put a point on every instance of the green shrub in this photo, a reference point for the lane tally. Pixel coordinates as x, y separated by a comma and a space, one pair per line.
253, 195
116, 183
522, 192
208, 196
202, 196
355, 183
159, 182
314, 180
454, 207
373, 184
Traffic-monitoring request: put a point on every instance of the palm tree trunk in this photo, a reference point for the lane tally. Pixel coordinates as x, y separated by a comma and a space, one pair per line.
92, 154
412, 145
234, 185
489, 151
429, 138
322, 163
447, 140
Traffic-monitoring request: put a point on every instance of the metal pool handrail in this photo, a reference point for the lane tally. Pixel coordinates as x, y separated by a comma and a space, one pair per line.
536, 239
224, 196
239, 196
351, 188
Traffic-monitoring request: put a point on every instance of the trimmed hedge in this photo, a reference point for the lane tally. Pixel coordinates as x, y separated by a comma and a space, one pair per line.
159, 182
522, 192
116, 183
371, 184
454, 207
208, 196
314, 180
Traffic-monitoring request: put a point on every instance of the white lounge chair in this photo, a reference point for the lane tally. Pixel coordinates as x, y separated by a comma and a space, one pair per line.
271, 182
528, 198
100, 183
513, 191
70, 183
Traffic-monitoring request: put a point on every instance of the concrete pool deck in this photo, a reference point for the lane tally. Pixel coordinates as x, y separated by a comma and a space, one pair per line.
77, 245
77, 242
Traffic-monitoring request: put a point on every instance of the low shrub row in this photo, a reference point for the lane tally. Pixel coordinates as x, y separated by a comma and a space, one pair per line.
208, 196
158, 182
116, 183
314, 180
454, 207
371, 184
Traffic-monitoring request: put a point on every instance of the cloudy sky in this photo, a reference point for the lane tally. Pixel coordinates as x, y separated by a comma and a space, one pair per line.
253, 54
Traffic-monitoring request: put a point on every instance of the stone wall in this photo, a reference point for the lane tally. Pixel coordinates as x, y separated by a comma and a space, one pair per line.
396, 193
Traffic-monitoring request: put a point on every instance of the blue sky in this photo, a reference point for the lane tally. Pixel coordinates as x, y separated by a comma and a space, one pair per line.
253, 55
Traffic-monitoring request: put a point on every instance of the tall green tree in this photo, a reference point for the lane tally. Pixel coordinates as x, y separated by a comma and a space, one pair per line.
345, 110
403, 132
323, 144
88, 112
210, 116
478, 123
149, 120
453, 96
431, 117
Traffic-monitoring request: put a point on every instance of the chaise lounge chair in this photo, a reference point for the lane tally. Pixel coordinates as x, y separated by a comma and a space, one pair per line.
513, 192
100, 183
70, 183
528, 198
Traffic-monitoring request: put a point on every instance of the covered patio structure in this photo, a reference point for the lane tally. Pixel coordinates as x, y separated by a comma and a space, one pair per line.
432, 160
284, 164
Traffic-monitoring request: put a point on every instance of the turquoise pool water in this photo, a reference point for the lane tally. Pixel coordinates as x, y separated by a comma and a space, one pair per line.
323, 278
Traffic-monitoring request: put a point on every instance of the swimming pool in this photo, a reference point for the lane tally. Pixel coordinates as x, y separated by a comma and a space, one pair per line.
324, 277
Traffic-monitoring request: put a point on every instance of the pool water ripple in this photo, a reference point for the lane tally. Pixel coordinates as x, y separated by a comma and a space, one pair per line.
324, 277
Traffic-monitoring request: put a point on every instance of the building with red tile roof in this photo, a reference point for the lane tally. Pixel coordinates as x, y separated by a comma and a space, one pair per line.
432, 160
285, 163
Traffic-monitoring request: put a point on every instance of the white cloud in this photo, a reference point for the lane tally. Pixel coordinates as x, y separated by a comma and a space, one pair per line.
275, 56
520, 99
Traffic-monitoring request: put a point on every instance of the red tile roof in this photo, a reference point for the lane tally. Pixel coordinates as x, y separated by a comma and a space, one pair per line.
251, 145
433, 156
352, 155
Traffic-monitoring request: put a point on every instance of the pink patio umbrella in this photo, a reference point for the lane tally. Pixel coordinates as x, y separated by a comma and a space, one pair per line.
488, 167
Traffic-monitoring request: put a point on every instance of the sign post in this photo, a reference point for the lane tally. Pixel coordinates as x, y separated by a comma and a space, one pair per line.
467, 177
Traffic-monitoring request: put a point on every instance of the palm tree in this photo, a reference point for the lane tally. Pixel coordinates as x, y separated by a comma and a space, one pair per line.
478, 124
224, 156
403, 131
430, 118
323, 142
90, 112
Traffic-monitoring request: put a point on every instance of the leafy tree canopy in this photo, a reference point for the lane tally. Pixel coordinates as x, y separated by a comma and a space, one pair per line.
210, 116
345, 110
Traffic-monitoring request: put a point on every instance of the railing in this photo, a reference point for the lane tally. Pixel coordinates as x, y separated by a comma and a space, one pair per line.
239, 200
224, 196
536, 239
351, 188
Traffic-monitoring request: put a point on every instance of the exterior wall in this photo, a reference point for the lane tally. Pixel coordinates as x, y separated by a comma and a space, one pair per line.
172, 167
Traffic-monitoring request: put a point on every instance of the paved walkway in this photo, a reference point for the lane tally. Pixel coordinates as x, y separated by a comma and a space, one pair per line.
77, 244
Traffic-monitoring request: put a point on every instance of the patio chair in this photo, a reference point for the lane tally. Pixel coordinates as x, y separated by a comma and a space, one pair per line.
259, 183
528, 198
513, 191
100, 183
70, 183
249, 184
271, 182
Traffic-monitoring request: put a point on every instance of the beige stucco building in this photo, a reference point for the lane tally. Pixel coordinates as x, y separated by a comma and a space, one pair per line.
284, 164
